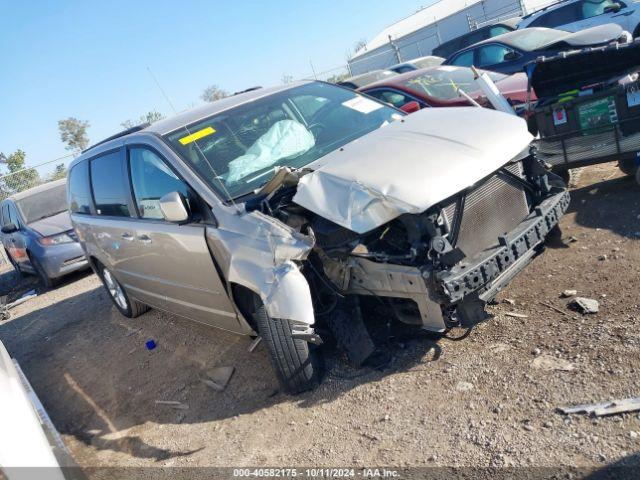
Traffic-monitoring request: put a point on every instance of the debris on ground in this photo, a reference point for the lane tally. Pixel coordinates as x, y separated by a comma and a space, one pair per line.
585, 305
569, 293
556, 309
173, 404
509, 301
5, 307
256, 341
516, 315
547, 362
605, 408
150, 344
218, 377
464, 386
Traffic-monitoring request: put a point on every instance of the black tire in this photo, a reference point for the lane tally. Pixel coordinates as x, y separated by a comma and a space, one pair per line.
46, 281
628, 166
130, 308
565, 175
638, 176
297, 363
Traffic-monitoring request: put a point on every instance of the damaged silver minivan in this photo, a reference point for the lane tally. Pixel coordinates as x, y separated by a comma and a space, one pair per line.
274, 211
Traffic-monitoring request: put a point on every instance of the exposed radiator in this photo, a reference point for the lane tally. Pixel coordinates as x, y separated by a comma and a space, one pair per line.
491, 209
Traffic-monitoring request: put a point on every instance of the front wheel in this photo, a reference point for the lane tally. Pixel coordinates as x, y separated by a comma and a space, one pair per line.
47, 281
297, 363
128, 307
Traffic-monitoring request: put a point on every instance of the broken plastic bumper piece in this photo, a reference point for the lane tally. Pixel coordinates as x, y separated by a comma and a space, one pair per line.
487, 273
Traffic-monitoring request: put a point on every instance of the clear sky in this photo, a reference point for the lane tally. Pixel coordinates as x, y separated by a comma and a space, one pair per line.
89, 59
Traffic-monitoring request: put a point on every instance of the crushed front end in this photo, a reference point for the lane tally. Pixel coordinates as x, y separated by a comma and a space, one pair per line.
439, 268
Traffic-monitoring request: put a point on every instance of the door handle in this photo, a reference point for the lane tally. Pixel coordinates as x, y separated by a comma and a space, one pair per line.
144, 238
127, 236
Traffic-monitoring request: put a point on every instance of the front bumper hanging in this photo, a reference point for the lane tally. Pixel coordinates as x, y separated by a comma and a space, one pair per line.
487, 273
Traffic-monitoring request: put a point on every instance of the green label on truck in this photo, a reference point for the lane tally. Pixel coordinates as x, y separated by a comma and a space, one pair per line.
598, 113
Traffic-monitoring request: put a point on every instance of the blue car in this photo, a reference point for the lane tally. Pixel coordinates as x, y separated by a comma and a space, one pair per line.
37, 233
510, 52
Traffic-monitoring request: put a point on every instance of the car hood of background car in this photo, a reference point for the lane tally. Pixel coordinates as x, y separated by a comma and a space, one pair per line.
52, 225
590, 36
410, 165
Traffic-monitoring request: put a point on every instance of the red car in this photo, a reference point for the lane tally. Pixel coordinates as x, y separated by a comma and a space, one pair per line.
435, 87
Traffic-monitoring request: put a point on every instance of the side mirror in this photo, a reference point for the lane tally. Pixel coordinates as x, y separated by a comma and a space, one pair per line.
9, 228
511, 55
613, 8
173, 207
410, 107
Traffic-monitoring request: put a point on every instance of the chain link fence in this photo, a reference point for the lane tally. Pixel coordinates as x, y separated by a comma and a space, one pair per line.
29, 177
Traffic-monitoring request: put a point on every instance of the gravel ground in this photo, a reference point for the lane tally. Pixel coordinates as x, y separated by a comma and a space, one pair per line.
487, 400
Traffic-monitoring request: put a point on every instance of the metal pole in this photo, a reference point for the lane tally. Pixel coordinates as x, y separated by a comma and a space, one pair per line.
396, 50
313, 70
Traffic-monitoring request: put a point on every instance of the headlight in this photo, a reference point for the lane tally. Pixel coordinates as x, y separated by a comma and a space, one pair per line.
55, 239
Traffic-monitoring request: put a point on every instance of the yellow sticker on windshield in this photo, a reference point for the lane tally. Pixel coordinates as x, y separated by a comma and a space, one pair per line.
197, 135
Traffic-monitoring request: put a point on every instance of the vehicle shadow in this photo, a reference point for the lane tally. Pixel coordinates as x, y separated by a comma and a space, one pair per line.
594, 203
626, 468
100, 384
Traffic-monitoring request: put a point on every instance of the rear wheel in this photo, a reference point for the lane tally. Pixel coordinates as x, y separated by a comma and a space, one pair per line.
566, 176
128, 307
297, 363
628, 166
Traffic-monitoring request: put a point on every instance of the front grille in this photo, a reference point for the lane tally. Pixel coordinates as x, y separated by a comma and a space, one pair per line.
491, 209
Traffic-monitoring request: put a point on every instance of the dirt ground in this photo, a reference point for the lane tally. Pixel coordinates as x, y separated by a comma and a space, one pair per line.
487, 400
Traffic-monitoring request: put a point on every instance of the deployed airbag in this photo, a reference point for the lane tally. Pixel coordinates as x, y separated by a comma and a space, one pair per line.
285, 139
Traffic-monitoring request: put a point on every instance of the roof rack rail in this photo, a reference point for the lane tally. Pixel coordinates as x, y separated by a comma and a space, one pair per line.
135, 129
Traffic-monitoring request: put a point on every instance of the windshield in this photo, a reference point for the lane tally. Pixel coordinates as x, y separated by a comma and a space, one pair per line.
43, 204
533, 38
238, 150
437, 82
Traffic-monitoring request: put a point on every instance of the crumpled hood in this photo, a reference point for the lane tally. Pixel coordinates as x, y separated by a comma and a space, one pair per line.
52, 225
410, 165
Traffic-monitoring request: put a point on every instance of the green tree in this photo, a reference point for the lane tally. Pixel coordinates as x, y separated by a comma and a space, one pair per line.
338, 77
73, 132
150, 117
18, 177
59, 172
213, 93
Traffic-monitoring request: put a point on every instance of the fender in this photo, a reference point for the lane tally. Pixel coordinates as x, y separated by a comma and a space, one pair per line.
259, 253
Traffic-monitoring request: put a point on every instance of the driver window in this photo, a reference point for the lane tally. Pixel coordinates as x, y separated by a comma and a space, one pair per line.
151, 179
464, 60
491, 55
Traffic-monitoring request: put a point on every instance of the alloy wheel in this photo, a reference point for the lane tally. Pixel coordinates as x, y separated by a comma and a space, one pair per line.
115, 290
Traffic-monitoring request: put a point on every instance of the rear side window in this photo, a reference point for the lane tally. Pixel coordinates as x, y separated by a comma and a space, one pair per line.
79, 192
152, 179
108, 181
